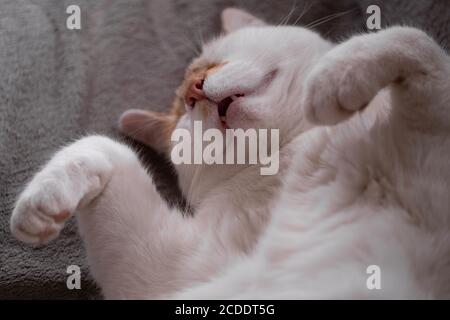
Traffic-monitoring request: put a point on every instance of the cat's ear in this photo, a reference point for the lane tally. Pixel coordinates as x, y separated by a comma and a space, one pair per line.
151, 128
234, 19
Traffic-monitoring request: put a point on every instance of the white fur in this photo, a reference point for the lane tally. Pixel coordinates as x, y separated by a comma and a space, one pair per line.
372, 190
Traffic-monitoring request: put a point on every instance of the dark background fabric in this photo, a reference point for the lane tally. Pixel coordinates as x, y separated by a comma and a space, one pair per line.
57, 85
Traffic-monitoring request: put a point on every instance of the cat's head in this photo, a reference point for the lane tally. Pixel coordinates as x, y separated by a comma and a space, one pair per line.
249, 77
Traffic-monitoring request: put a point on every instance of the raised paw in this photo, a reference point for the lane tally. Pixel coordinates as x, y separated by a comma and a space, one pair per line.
338, 87
41, 211
73, 177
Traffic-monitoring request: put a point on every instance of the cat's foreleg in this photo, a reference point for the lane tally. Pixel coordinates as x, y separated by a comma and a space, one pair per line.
134, 242
349, 76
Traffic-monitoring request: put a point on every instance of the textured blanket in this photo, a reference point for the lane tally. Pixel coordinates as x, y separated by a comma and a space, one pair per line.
58, 84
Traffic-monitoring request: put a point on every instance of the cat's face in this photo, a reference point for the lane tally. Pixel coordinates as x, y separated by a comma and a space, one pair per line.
250, 77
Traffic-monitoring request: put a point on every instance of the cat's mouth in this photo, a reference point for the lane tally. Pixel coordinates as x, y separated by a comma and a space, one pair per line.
223, 106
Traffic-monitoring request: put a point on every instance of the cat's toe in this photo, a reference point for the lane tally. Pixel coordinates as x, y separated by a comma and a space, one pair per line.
334, 92
38, 218
321, 101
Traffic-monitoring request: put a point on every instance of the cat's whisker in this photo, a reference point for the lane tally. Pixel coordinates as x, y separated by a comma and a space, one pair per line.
328, 18
194, 183
189, 43
194, 46
285, 19
186, 42
304, 11
199, 33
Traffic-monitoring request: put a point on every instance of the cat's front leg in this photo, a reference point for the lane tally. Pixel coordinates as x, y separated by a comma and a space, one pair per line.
135, 243
349, 76
75, 176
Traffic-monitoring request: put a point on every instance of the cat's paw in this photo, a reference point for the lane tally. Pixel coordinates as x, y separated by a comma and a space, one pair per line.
40, 214
54, 194
335, 89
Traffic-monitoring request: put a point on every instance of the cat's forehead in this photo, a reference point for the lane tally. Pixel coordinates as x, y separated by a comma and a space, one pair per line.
260, 41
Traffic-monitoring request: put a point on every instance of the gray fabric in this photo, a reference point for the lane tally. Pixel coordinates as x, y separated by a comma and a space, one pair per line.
57, 85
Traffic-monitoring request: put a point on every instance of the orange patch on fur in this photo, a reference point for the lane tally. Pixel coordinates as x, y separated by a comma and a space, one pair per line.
215, 68
155, 128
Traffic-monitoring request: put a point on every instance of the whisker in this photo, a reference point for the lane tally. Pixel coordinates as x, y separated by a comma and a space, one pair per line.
325, 19
285, 20
307, 7
187, 43
195, 47
192, 186
199, 32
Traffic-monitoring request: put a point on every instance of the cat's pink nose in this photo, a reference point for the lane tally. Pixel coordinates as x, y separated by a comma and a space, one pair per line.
195, 92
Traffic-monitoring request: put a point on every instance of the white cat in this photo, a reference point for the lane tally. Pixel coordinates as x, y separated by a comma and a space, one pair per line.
354, 190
